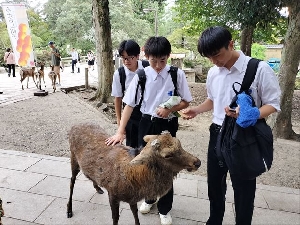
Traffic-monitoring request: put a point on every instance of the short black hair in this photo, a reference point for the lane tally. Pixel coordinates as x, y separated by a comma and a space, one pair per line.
212, 40
130, 47
8, 49
157, 47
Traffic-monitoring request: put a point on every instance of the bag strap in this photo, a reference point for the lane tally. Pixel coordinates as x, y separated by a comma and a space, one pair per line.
247, 81
173, 71
141, 83
248, 77
7, 55
122, 75
250, 74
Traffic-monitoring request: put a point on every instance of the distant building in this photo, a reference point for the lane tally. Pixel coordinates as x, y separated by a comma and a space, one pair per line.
273, 51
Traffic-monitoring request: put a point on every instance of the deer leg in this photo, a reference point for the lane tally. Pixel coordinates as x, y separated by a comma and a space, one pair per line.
22, 78
44, 81
34, 82
40, 82
114, 206
75, 170
98, 189
54, 82
134, 211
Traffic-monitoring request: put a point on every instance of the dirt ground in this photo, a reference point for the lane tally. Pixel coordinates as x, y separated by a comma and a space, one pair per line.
41, 124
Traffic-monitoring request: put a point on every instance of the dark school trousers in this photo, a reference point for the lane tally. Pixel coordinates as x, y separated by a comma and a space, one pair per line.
156, 126
13, 68
132, 131
244, 190
73, 64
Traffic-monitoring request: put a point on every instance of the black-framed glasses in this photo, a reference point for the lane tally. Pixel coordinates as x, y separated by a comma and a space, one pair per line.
129, 58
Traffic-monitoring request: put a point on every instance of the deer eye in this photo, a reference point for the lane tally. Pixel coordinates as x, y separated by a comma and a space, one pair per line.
168, 156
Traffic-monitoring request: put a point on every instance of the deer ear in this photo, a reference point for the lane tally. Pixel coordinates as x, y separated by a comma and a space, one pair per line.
147, 138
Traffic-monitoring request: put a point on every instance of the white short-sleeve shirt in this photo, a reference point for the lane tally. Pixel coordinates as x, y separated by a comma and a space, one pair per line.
265, 87
157, 88
116, 84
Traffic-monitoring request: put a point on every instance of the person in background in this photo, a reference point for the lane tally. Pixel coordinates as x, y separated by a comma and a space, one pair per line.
217, 45
74, 55
55, 59
9, 59
91, 59
155, 118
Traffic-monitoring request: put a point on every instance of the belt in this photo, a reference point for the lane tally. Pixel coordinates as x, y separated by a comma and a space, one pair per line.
156, 119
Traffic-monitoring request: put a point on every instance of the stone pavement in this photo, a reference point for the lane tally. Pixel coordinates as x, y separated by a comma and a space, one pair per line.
35, 188
12, 88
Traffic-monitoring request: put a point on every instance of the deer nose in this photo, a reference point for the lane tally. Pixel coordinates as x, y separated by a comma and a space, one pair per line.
197, 164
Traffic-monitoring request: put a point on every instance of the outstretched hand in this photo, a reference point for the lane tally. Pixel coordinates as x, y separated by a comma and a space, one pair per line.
188, 113
113, 140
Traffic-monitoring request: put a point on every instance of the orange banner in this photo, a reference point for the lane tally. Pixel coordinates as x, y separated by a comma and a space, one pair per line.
19, 33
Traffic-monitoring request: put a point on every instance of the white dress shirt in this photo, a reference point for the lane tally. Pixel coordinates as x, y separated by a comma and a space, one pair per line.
157, 88
74, 55
116, 84
265, 87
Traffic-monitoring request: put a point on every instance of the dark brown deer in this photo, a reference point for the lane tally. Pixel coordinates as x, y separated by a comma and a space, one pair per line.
126, 177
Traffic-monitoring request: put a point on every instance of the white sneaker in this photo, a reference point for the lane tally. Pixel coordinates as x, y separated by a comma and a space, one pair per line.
145, 207
165, 219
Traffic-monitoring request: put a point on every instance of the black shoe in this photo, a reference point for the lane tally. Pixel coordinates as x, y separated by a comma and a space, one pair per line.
9, 75
72, 72
14, 76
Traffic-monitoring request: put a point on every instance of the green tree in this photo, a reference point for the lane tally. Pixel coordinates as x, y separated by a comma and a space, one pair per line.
101, 22
290, 59
258, 51
249, 15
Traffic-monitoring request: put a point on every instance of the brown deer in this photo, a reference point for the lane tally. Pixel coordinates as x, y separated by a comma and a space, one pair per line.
40, 74
27, 72
52, 75
125, 175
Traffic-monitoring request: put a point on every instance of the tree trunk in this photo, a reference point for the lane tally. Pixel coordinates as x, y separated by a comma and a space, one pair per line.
104, 53
246, 40
290, 58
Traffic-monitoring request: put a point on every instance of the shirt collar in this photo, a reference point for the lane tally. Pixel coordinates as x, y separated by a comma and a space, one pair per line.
239, 64
163, 73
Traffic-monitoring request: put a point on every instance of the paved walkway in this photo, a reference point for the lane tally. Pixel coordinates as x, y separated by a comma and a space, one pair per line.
35, 188
12, 88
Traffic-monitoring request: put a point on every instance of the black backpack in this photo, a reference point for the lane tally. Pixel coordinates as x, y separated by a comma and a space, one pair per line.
247, 152
136, 114
142, 81
122, 74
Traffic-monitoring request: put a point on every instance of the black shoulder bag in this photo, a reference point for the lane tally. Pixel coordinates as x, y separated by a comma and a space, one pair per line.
247, 152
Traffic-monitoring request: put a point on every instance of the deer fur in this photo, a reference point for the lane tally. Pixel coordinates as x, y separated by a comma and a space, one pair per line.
40, 74
52, 75
27, 72
126, 177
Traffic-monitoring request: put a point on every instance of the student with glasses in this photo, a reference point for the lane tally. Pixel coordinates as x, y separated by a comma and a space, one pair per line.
129, 52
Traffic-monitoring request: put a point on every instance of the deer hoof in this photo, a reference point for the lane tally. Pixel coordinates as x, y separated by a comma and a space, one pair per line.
99, 190
69, 214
